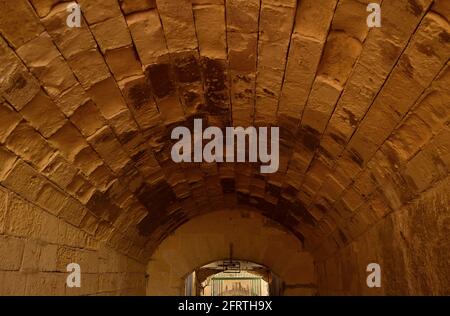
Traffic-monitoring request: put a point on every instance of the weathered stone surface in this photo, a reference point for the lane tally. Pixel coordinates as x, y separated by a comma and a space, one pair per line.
16, 30
47, 124
86, 116
148, 36
29, 145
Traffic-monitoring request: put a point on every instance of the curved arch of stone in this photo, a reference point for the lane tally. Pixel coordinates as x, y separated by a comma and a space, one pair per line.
207, 238
86, 116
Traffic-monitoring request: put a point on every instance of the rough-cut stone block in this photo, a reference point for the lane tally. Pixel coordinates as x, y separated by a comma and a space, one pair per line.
72, 212
87, 160
18, 23
99, 11
19, 87
9, 119
11, 251
70, 40
339, 46
68, 140
21, 219
148, 36
47, 260
210, 26
71, 99
131, 6
89, 67
51, 199
108, 98
12, 283
124, 62
112, 33
28, 144
178, 22
87, 119
45, 284
106, 144
324, 95
60, 171
31, 255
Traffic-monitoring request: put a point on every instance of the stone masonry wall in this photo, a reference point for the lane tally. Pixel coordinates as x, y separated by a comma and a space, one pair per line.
36, 246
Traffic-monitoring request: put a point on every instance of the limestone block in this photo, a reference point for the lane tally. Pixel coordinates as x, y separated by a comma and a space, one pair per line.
51, 199
18, 23
410, 137
45, 284
107, 146
72, 212
45, 62
89, 223
324, 95
9, 119
89, 67
242, 51
99, 11
47, 260
70, 41
87, 119
108, 97
28, 144
18, 87
21, 219
421, 172
11, 251
348, 18
442, 7
68, 140
48, 231
210, 30
4, 195
124, 62
59, 171
148, 36
171, 110
71, 99
31, 255
314, 17
112, 33
342, 47
178, 22
137, 93
46, 124
38, 52
127, 131
12, 283
43, 7
131, 6
81, 188
441, 147
242, 16
301, 67
87, 160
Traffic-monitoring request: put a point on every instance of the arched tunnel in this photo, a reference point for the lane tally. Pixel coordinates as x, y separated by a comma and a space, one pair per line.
86, 118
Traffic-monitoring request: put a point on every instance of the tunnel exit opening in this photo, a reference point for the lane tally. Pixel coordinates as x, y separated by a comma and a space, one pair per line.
233, 278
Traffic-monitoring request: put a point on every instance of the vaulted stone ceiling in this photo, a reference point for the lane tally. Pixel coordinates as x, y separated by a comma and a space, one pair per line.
86, 113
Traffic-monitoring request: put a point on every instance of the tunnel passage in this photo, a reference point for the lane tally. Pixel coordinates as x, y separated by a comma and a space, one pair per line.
86, 115
252, 237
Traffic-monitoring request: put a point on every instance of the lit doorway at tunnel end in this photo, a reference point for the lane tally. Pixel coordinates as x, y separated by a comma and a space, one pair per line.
232, 278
